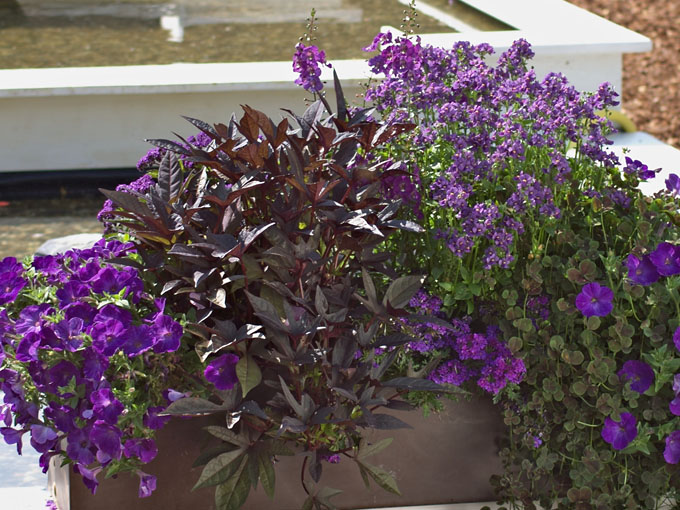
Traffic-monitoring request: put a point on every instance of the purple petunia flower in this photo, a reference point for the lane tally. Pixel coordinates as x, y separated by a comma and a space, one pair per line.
619, 434
147, 484
674, 406
152, 420
89, 476
79, 447
595, 300
642, 272
222, 372
105, 406
144, 449
139, 339
666, 259
107, 440
676, 338
12, 436
639, 373
10, 286
167, 333
672, 452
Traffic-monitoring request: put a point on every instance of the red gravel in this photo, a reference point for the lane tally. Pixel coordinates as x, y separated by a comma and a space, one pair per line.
651, 81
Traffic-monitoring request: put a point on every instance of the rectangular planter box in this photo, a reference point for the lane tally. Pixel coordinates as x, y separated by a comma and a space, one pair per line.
446, 458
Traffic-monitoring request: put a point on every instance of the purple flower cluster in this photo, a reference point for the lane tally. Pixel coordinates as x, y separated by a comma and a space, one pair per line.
138, 186
638, 169
72, 331
485, 127
469, 356
306, 62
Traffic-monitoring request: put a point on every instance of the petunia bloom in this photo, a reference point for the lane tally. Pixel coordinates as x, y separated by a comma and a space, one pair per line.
642, 272
639, 373
619, 434
676, 338
666, 259
147, 484
222, 371
595, 300
672, 451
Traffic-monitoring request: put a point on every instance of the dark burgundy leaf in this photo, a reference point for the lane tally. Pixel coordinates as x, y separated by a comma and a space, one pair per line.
203, 126
169, 145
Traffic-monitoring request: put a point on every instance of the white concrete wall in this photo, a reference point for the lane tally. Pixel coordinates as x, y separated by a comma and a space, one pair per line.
90, 118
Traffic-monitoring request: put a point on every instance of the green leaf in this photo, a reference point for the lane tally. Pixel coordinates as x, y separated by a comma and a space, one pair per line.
308, 504
364, 475
233, 493
573, 357
401, 290
593, 322
192, 406
524, 324
381, 477
248, 373
227, 435
219, 469
267, 474
325, 494
366, 450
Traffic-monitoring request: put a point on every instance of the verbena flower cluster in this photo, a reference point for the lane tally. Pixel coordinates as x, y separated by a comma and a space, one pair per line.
306, 62
82, 352
493, 142
540, 249
480, 358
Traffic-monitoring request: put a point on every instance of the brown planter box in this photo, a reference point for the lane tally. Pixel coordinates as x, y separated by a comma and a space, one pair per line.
445, 458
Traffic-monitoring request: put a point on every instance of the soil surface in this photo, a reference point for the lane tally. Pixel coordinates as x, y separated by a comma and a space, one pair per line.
651, 81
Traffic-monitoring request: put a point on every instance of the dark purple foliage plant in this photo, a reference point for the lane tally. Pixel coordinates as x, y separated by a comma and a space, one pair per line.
556, 277
268, 241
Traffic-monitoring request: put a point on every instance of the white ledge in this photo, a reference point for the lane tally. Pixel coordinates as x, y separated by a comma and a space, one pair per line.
553, 27
159, 79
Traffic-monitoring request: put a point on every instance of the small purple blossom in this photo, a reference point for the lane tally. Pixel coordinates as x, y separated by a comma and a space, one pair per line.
638, 373
222, 371
666, 259
152, 419
641, 271
672, 451
143, 449
673, 184
638, 169
147, 484
620, 433
595, 300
